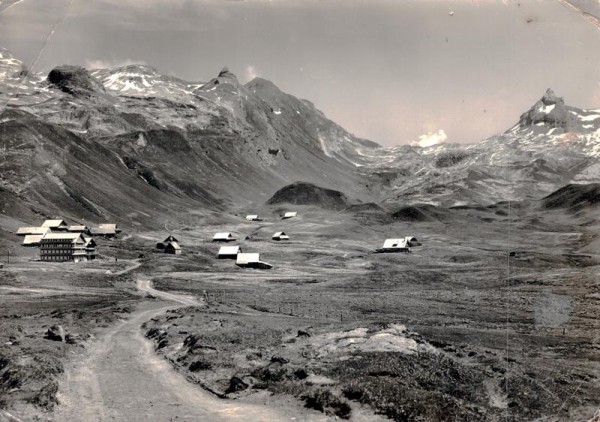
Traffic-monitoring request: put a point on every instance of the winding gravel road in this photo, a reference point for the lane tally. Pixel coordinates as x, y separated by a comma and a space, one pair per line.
121, 379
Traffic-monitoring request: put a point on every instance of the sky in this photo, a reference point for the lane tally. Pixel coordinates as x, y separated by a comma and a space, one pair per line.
392, 71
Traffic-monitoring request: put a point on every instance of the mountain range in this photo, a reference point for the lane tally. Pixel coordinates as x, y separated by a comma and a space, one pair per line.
140, 148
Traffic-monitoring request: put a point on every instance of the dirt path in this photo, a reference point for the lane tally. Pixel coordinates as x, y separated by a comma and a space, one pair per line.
122, 379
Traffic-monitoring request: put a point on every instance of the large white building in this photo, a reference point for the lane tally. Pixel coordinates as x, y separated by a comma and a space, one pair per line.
63, 247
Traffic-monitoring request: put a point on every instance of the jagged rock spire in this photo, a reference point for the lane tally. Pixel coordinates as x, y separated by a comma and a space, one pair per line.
226, 73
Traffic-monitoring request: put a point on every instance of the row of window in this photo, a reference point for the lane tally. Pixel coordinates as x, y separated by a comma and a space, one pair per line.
56, 258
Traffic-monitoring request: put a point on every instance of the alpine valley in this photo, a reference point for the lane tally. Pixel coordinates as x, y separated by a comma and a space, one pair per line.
492, 316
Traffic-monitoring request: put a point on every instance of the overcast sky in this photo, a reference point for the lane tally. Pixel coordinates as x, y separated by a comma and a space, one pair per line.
387, 70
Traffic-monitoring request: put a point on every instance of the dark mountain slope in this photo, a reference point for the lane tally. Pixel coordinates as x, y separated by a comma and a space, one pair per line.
574, 197
56, 172
117, 143
301, 193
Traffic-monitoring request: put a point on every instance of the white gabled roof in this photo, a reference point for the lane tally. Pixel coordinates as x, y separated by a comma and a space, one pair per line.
222, 236
77, 228
229, 250
32, 239
89, 241
32, 230
251, 217
395, 243
175, 245
54, 223
279, 234
291, 214
247, 258
108, 226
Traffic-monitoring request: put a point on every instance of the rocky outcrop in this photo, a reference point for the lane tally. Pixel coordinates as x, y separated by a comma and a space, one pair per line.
302, 193
76, 81
550, 111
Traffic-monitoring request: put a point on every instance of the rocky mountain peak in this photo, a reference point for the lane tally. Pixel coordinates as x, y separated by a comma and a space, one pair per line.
551, 98
75, 80
226, 73
550, 112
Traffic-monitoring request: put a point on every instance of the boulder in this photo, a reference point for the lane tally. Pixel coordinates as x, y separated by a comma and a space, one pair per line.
55, 333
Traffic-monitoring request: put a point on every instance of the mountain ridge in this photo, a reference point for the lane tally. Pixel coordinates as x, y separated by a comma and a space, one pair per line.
222, 144
216, 146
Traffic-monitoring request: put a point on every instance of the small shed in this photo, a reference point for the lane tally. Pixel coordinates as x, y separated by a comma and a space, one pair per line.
56, 225
253, 217
32, 240
280, 236
251, 260
173, 248
290, 214
229, 252
394, 245
223, 237
412, 241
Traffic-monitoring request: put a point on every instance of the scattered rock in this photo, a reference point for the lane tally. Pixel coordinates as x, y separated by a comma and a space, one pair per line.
200, 365
236, 384
301, 374
302, 333
55, 333
73, 338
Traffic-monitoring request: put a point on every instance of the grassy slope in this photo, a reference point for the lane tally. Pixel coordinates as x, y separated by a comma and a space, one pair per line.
495, 352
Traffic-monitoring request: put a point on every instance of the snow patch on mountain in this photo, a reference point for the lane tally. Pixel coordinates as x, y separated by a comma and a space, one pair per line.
547, 109
145, 81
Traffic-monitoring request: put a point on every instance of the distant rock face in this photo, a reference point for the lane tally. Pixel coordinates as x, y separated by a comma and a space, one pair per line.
226, 73
75, 80
574, 197
301, 193
550, 110
417, 212
551, 116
